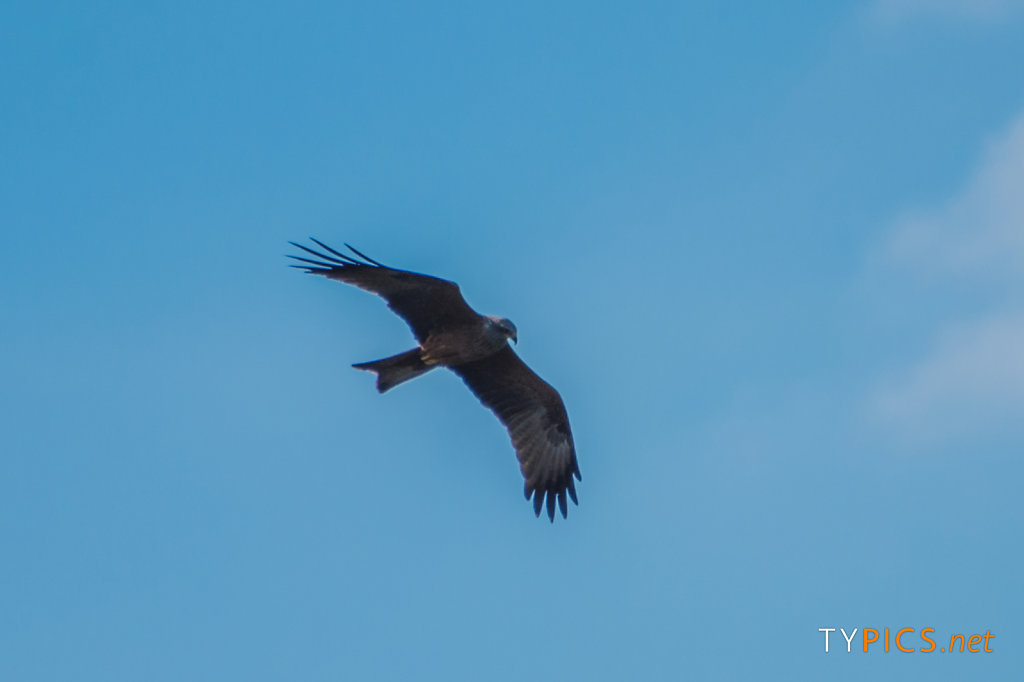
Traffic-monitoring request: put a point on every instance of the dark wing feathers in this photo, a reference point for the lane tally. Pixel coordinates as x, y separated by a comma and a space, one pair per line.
426, 303
536, 420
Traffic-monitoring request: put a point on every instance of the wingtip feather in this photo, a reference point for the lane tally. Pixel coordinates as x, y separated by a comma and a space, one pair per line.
347, 260
364, 256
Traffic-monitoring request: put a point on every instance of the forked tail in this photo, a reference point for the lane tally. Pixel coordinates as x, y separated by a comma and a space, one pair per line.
396, 369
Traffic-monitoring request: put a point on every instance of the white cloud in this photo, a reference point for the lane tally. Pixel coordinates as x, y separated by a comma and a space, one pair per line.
974, 377
898, 11
973, 374
980, 233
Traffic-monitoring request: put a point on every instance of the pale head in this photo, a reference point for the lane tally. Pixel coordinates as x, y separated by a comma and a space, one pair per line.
505, 326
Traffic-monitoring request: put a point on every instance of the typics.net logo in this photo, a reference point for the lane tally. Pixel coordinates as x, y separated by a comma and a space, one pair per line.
905, 640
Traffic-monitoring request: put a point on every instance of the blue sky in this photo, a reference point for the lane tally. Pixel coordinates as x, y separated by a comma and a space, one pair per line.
770, 256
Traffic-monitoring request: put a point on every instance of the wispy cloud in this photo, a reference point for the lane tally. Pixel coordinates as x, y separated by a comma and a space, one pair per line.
899, 11
980, 232
972, 378
973, 374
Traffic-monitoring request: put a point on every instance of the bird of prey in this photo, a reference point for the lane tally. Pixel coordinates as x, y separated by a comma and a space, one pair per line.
474, 346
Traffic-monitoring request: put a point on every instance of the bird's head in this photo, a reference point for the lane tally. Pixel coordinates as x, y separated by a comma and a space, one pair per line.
505, 326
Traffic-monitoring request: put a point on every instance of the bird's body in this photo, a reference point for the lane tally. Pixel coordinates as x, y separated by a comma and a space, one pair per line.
465, 343
451, 334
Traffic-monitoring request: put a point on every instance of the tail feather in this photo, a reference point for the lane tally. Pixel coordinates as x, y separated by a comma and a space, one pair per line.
396, 369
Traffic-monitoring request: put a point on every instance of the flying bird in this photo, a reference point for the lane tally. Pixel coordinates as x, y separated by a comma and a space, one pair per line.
451, 334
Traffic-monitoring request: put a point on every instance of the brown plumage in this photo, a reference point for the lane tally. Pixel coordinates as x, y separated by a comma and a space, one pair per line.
451, 334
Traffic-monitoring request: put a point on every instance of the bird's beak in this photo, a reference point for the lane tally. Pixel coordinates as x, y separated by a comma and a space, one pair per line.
515, 339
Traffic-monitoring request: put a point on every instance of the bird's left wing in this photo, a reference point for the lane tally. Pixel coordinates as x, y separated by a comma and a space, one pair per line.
426, 303
537, 422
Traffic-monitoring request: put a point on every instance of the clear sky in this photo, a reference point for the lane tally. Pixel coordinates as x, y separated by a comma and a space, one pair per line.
771, 254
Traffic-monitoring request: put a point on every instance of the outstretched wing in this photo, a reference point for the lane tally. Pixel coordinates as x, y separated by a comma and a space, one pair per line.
426, 303
535, 417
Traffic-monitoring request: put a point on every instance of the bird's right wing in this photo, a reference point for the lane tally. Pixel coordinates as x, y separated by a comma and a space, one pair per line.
426, 303
535, 417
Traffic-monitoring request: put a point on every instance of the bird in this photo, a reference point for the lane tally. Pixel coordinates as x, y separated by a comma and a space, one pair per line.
449, 333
